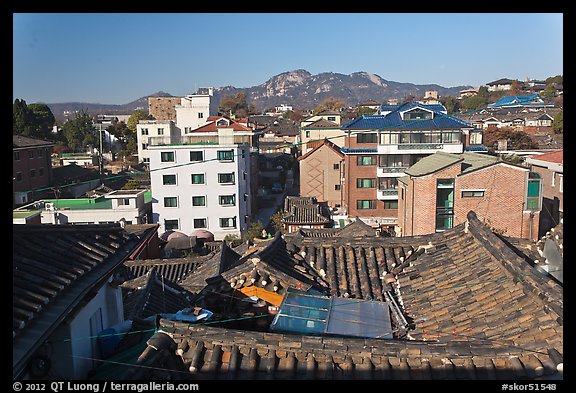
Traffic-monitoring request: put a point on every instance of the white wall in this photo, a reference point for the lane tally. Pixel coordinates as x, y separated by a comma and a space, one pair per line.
168, 127
184, 189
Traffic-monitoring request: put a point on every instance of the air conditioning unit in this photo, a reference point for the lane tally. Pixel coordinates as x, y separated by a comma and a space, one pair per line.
49, 206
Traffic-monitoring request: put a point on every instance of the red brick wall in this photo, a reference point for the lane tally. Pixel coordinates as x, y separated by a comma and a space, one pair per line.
25, 164
548, 191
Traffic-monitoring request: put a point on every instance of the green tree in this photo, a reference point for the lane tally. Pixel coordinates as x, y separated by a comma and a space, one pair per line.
276, 220
473, 102
365, 110
558, 123
22, 119
483, 91
127, 138
452, 104
79, 132
255, 230
549, 92
43, 120
136, 116
558, 79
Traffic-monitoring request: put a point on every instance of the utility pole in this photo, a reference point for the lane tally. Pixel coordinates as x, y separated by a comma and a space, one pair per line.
101, 159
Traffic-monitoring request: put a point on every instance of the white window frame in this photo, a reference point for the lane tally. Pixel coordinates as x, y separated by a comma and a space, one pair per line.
200, 218
175, 178
171, 207
198, 196
483, 191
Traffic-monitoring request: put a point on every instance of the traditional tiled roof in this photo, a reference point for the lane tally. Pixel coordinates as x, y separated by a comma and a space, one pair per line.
503, 81
19, 141
153, 294
475, 309
322, 123
173, 269
305, 214
53, 268
393, 120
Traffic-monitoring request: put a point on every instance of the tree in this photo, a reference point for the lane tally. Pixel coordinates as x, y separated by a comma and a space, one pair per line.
255, 230
515, 87
331, 104
558, 123
277, 221
79, 132
365, 110
22, 119
516, 139
44, 120
452, 104
483, 91
235, 105
138, 115
549, 92
127, 138
473, 102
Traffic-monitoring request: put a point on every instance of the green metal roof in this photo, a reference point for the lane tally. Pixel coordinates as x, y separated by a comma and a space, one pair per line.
441, 160
24, 213
81, 203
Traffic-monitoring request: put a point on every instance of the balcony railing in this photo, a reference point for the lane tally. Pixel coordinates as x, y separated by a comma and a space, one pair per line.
388, 192
414, 146
194, 140
393, 169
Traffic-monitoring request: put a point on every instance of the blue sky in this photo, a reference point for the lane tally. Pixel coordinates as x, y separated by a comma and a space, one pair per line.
117, 58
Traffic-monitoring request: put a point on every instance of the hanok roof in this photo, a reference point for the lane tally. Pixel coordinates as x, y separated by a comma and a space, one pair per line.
173, 269
304, 210
394, 120
440, 160
322, 123
325, 142
153, 294
53, 268
476, 310
19, 141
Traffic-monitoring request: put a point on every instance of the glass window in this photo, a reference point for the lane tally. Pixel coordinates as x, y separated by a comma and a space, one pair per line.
444, 204
389, 138
337, 187
226, 178
366, 160
40, 153
198, 178
170, 225
199, 201
390, 204
417, 114
18, 176
145, 146
473, 194
226, 155
167, 156
200, 223
366, 204
367, 137
227, 200
365, 183
196, 156
16, 156
41, 172
170, 201
32, 172
451, 137
30, 153
169, 180
160, 131
187, 130
200, 115
144, 131
228, 222
336, 166
533, 195
331, 118
387, 183
123, 202
475, 137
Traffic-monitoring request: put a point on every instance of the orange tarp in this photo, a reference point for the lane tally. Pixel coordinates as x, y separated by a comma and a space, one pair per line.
270, 297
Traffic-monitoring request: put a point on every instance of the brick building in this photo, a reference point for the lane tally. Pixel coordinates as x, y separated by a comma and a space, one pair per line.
321, 171
379, 148
441, 189
550, 167
163, 108
31, 167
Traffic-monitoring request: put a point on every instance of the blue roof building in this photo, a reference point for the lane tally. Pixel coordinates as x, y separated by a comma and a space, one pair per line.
528, 101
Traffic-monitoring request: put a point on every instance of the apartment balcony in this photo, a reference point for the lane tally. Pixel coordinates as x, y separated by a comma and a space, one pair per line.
420, 148
390, 171
178, 140
387, 195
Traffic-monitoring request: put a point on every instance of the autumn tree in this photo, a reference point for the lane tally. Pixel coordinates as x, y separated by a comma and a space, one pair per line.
515, 87
236, 105
516, 139
331, 104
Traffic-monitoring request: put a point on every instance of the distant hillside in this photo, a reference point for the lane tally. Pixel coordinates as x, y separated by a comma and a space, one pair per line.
298, 88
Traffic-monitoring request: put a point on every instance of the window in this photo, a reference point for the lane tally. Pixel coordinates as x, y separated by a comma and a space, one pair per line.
533, 194
16, 156
226, 178
561, 186
198, 201
40, 153
444, 204
187, 130
222, 123
144, 131
417, 114
226, 155
244, 175
229, 222
199, 223
336, 166
451, 137
475, 137
307, 134
171, 202
402, 193
145, 146
200, 115
41, 172
366, 160
196, 156
366, 204
472, 193
170, 225
160, 131
337, 187
30, 153
245, 197
123, 202
18, 176
169, 180
331, 118
367, 137
389, 138
146, 160
32, 172
227, 200
390, 204
198, 178
167, 156
365, 183
387, 183
394, 160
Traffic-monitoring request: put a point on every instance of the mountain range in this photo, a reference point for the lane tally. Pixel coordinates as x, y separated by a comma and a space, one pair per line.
298, 88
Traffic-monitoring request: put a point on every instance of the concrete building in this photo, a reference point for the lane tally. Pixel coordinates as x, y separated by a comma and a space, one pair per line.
440, 190
379, 148
147, 129
550, 167
31, 167
202, 181
321, 174
126, 206
315, 128
163, 108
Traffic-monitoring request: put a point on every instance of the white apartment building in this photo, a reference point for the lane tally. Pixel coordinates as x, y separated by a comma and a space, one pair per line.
202, 181
192, 113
